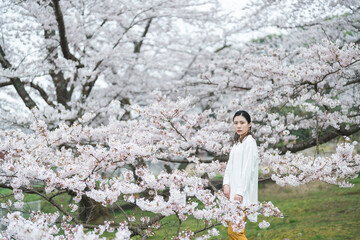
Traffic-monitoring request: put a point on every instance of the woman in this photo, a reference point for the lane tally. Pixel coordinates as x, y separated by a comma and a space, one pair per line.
241, 175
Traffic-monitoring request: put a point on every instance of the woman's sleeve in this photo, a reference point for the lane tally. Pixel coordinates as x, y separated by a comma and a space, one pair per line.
226, 179
248, 169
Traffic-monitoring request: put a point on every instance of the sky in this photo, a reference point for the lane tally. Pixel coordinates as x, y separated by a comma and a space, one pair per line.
233, 4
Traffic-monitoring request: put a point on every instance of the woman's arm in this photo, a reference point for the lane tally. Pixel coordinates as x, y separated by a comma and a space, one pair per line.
226, 179
248, 167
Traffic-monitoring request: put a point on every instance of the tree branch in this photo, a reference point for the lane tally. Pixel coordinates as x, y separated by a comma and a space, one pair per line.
139, 44
178, 229
40, 192
20, 89
186, 161
62, 33
18, 84
43, 94
57, 194
63, 96
295, 26
4, 63
223, 47
325, 137
136, 230
189, 66
4, 84
206, 228
352, 82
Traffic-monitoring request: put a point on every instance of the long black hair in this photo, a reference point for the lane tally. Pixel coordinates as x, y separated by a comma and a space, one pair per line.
246, 115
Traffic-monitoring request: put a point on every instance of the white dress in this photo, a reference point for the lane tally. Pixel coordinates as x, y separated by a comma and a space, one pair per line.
241, 172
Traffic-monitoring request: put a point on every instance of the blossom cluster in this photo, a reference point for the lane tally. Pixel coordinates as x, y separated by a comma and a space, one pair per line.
75, 158
295, 169
42, 226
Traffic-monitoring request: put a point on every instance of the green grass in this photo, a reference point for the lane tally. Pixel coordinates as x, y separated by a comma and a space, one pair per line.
312, 211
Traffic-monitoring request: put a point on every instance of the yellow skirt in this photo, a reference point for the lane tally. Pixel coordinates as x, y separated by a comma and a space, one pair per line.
236, 236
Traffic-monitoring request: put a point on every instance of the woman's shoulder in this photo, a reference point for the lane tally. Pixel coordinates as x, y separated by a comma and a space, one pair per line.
250, 139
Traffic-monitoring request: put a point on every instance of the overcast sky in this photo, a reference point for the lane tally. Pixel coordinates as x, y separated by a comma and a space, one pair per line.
233, 4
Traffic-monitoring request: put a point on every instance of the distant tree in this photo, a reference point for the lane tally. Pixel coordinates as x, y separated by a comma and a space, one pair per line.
70, 57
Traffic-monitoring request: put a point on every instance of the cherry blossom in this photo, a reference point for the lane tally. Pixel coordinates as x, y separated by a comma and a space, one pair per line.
83, 73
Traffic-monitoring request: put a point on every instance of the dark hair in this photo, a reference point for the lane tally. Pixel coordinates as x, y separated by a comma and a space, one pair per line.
246, 115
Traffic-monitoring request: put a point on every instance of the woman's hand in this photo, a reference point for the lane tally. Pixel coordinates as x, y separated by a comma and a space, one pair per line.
238, 197
227, 191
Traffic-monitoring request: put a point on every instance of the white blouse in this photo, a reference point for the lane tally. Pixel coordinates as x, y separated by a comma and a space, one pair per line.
241, 172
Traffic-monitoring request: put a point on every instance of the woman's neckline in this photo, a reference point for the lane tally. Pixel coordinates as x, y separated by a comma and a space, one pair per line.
243, 140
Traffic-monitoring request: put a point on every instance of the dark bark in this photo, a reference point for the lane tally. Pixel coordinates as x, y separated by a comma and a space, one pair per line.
222, 158
357, 80
20, 89
222, 48
87, 87
43, 94
324, 137
4, 62
62, 32
4, 84
91, 211
138, 45
63, 95
16, 82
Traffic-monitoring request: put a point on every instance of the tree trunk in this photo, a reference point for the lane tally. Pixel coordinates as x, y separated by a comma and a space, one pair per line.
92, 212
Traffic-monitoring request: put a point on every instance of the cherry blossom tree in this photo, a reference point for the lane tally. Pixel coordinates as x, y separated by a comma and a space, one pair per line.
291, 85
86, 75
70, 57
72, 159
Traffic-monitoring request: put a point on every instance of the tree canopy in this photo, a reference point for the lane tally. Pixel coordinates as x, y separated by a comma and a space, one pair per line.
89, 88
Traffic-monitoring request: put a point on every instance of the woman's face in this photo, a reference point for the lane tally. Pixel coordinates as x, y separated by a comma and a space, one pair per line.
241, 125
